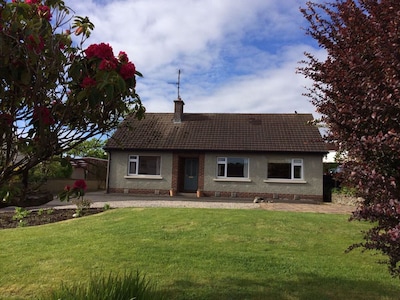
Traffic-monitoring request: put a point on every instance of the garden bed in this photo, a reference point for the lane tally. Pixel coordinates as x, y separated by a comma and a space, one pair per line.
40, 217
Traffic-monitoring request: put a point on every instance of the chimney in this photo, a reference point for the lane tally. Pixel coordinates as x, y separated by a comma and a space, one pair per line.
178, 112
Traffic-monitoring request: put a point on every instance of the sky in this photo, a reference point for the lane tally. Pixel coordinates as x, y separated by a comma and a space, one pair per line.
235, 56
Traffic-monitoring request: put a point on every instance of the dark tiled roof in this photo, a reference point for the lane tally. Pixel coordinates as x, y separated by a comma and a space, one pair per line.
213, 132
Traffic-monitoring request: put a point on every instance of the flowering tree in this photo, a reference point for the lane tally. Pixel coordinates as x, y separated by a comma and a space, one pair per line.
54, 93
357, 90
76, 192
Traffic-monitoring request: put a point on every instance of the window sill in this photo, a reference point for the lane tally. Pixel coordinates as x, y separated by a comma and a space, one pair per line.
285, 181
157, 177
233, 179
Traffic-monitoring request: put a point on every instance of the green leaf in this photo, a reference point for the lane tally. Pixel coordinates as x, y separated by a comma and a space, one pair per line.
81, 96
121, 85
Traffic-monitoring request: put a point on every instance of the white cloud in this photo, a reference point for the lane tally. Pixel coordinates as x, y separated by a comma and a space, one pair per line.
235, 56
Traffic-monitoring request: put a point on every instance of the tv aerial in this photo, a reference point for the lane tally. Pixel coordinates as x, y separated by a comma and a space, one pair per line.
178, 84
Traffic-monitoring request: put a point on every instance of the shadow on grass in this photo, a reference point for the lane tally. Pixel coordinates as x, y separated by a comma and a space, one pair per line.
304, 286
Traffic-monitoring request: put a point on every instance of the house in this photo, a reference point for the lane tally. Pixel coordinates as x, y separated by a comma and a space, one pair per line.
90, 169
217, 154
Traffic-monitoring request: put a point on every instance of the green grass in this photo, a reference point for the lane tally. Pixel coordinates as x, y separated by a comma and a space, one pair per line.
199, 254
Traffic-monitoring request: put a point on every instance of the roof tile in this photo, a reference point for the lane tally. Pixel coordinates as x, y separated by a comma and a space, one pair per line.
219, 132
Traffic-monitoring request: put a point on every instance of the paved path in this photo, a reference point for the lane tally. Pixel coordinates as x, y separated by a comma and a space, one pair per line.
99, 199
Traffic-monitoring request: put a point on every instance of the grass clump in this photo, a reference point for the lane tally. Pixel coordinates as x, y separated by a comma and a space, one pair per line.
112, 286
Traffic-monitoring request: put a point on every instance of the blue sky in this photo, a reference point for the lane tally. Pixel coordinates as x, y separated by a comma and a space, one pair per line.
235, 56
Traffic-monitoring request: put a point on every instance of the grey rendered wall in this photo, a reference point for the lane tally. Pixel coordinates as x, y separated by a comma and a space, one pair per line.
118, 179
258, 183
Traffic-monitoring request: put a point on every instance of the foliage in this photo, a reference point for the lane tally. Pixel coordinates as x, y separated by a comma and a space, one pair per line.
47, 211
127, 286
20, 214
346, 191
356, 89
89, 148
76, 192
54, 168
54, 92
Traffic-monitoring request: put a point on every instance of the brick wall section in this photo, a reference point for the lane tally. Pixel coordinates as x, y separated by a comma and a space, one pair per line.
217, 194
262, 195
138, 191
200, 185
175, 171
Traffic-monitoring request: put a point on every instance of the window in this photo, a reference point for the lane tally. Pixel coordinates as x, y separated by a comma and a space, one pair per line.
232, 167
144, 165
292, 169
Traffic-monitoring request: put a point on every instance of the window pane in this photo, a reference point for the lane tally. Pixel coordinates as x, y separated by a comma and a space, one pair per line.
132, 167
297, 172
149, 165
279, 170
235, 167
221, 170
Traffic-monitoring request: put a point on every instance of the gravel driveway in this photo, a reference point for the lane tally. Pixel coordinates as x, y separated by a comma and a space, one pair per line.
128, 200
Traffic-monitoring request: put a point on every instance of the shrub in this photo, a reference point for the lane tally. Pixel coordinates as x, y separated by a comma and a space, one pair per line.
20, 214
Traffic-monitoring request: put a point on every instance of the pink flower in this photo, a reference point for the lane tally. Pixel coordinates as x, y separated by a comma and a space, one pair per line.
127, 70
67, 188
44, 12
80, 184
88, 82
103, 51
32, 1
123, 57
107, 65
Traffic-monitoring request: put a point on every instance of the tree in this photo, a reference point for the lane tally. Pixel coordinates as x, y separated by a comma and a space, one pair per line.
90, 148
54, 93
357, 91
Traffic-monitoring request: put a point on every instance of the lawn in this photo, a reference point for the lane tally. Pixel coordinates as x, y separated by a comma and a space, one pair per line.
199, 254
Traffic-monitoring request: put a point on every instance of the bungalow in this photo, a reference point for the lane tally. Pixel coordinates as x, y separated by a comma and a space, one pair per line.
224, 154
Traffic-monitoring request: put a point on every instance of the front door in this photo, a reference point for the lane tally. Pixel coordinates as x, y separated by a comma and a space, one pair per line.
191, 174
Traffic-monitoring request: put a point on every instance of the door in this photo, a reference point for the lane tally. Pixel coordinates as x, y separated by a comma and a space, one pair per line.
191, 174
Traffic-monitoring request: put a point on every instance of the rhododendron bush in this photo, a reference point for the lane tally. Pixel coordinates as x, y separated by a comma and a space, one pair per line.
55, 92
357, 91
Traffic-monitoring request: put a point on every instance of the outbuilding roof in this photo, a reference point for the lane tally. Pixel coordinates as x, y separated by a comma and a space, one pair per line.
219, 132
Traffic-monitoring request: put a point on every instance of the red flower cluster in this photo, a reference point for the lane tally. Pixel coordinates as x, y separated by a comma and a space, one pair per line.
103, 51
42, 10
127, 70
88, 82
80, 184
107, 65
123, 57
41, 113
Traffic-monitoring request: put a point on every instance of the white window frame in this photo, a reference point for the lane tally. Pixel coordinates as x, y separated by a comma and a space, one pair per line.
134, 158
225, 161
295, 162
